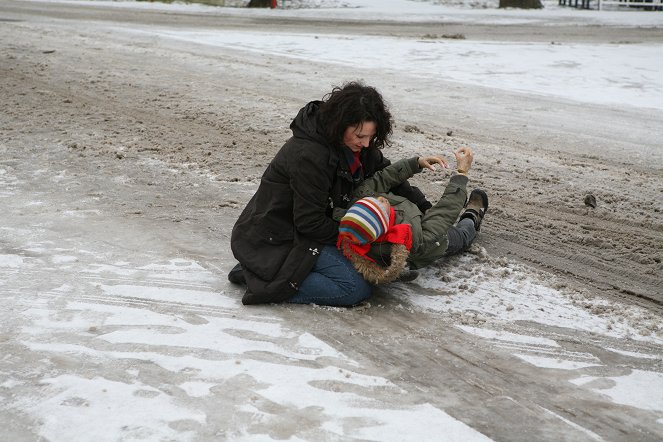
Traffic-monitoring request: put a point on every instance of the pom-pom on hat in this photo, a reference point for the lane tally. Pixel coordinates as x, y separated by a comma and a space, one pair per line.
364, 222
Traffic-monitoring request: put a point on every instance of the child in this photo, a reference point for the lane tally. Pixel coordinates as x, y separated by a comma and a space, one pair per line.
382, 231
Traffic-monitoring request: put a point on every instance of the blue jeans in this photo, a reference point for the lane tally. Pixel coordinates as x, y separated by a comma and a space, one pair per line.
460, 237
333, 281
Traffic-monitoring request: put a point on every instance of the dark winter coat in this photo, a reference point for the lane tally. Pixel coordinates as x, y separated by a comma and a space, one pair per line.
281, 231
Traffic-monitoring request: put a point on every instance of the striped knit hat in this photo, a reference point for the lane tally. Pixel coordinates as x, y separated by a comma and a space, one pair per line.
364, 222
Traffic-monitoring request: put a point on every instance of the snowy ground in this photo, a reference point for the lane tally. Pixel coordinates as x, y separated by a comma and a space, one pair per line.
117, 322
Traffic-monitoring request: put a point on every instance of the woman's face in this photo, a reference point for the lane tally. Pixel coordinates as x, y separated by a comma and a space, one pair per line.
359, 137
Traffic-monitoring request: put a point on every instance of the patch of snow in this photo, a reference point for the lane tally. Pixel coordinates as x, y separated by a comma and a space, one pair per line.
283, 384
589, 433
197, 388
635, 354
623, 74
639, 389
507, 337
75, 408
63, 259
170, 294
543, 362
11, 261
11, 383
500, 290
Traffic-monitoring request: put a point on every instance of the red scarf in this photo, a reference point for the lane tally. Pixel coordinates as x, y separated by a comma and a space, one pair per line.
356, 163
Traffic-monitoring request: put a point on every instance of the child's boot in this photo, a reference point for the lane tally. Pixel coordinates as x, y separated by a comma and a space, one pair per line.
476, 207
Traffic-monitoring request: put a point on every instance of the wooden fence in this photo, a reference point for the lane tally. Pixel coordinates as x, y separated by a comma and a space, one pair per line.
650, 5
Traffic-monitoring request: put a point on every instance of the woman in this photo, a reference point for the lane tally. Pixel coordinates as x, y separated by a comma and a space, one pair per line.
285, 238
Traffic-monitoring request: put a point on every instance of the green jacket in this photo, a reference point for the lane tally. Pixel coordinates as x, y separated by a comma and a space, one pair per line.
429, 231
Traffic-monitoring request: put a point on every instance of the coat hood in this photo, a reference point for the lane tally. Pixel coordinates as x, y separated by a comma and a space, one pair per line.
372, 271
306, 124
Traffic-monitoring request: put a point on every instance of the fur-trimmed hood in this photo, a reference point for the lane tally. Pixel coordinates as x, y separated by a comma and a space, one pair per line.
374, 272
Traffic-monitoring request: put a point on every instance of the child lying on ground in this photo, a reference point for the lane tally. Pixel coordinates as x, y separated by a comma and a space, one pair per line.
382, 232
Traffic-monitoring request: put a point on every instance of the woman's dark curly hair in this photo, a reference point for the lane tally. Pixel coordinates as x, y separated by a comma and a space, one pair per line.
353, 104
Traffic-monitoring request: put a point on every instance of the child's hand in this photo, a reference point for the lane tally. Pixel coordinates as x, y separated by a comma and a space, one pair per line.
464, 157
427, 162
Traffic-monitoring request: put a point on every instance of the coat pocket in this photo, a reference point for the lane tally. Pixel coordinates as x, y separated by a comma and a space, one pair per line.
261, 251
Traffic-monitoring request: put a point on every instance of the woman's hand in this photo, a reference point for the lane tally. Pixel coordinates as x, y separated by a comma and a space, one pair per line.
427, 162
464, 157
